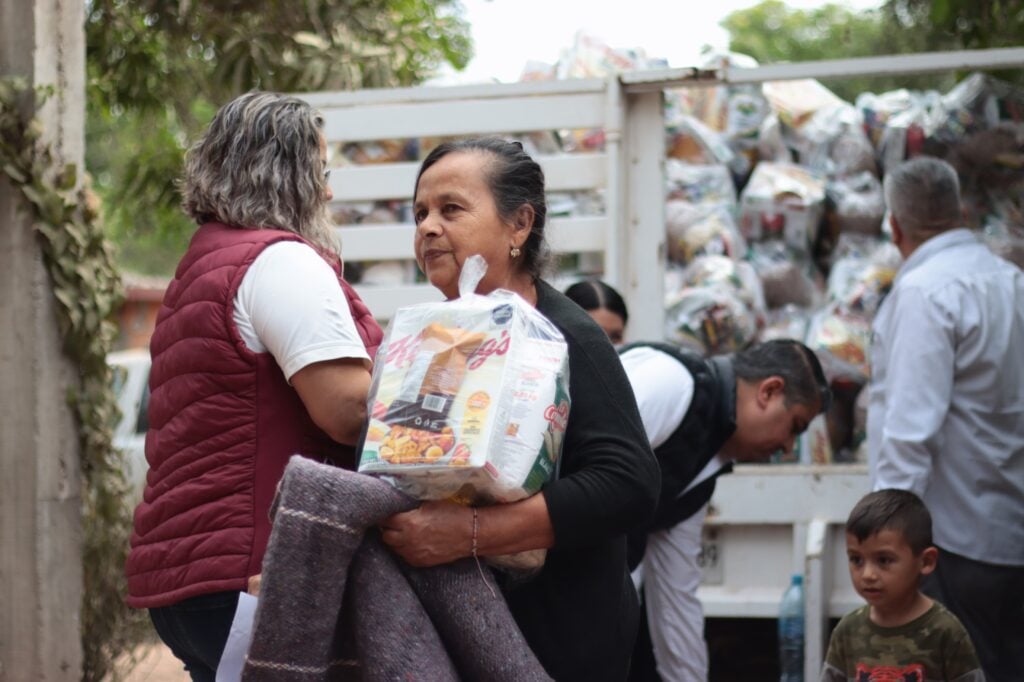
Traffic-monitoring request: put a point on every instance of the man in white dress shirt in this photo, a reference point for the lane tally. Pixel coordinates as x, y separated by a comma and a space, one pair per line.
946, 415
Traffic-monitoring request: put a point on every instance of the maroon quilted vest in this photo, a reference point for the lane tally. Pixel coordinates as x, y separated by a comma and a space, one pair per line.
222, 424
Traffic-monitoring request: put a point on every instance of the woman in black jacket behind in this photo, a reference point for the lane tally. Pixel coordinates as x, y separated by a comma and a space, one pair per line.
579, 614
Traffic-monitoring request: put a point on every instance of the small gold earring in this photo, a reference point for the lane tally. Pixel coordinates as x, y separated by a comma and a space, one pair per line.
514, 252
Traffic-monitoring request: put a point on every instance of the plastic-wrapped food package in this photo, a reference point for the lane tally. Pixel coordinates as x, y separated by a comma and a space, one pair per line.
712, 270
814, 446
900, 122
869, 247
832, 141
971, 106
783, 201
469, 398
708, 105
692, 141
863, 275
591, 57
695, 230
699, 211
857, 286
787, 322
877, 109
711, 320
787, 276
735, 110
842, 340
796, 101
534, 70
771, 146
852, 153
856, 205
700, 184
746, 110
1005, 240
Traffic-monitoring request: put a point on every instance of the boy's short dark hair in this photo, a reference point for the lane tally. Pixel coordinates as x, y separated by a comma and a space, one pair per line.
891, 509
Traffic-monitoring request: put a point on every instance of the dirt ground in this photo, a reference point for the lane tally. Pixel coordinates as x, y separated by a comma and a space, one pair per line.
755, 638
157, 664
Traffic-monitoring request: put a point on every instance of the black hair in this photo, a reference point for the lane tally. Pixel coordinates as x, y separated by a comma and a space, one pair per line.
897, 510
593, 294
514, 179
797, 364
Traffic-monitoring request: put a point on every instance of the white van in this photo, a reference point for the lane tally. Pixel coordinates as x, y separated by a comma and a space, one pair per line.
131, 388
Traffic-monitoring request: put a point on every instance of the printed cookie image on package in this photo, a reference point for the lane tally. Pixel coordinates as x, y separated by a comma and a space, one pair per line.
469, 400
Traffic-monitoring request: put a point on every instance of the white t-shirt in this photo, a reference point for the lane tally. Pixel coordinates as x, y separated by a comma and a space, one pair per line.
664, 390
291, 305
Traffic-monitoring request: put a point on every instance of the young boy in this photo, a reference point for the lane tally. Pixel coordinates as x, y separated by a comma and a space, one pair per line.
900, 635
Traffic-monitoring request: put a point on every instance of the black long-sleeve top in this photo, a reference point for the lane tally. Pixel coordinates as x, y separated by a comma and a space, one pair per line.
580, 613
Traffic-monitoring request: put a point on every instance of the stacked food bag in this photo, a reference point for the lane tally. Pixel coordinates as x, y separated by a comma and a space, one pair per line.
469, 399
774, 205
807, 168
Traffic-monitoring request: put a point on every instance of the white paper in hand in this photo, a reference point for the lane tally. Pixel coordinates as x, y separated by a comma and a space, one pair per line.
233, 659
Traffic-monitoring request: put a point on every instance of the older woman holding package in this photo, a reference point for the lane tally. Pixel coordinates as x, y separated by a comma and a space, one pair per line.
579, 614
260, 351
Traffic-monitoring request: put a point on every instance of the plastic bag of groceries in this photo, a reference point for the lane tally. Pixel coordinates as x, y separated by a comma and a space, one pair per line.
771, 144
714, 270
787, 275
692, 141
842, 340
814, 446
783, 201
700, 184
711, 320
694, 230
1005, 239
971, 105
699, 212
469, 398
862, 274
856, 205
787, 322
899, 122
795, 101
832, 141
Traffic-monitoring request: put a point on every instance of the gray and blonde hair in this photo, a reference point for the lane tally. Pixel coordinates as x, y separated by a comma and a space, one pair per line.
924, 196
258, 166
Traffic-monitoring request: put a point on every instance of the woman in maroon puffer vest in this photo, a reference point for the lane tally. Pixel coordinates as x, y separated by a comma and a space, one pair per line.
260, 351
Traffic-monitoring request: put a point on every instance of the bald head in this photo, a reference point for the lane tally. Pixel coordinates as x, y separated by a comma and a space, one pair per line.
923, 195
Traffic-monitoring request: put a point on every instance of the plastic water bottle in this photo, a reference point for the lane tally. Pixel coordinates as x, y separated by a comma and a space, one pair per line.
791, 632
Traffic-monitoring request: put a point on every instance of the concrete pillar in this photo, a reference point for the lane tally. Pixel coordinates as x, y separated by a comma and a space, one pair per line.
40, 502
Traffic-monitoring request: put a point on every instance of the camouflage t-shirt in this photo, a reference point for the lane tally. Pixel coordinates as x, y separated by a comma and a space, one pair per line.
929, 648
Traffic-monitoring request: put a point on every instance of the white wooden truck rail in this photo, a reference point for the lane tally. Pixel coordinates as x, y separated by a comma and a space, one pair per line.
474, 110
766, 522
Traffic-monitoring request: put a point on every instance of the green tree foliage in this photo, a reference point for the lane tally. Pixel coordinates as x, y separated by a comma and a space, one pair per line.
964, 24
158, 70
772, 32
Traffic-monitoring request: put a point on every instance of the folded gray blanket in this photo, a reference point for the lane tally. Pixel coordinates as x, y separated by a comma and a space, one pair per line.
336, 604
